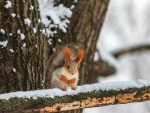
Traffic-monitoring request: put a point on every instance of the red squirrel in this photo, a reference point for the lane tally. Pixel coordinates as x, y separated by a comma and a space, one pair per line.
67, 75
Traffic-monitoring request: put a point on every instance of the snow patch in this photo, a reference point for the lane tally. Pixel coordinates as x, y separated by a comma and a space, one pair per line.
8, 5
22, 36
75, 1
4, 43
59, 40
27, 21
2, 31
14, 70
13, 14
24, 45
10, 34
34, 30
11, 50
18, 31
72, 7
49, 41
31, 7
58, 14
39, 20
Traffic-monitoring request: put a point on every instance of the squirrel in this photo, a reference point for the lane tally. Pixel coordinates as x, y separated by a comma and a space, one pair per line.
64, 67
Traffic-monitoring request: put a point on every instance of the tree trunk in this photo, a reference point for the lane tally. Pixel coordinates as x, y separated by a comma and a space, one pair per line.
22, 61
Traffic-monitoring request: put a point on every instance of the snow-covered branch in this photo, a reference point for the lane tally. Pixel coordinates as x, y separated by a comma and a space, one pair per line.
54, 100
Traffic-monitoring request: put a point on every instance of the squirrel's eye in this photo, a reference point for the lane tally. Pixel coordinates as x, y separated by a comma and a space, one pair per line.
68, 67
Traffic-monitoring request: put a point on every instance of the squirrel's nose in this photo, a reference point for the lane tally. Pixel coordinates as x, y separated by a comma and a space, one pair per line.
72, 73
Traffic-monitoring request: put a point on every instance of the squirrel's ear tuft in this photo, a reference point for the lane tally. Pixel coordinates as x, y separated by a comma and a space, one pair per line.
79, 56
67, 54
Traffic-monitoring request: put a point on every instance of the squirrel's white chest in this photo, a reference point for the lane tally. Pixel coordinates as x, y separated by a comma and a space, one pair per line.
62, 71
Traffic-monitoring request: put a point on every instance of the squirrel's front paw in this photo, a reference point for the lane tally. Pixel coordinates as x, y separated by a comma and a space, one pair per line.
63, 89
72, 81
64, 79
73, 88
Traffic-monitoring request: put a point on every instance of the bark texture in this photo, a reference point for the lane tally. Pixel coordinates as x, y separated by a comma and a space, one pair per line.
78, 101
23, 69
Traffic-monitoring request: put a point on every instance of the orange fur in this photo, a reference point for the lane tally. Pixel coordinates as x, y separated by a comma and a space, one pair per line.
67, 54
72, 81
79, 56
64, 79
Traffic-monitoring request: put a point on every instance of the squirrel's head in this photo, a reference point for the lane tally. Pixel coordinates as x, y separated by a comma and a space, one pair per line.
71, 65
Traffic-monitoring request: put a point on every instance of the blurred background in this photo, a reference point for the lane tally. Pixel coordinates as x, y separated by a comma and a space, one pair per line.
124, 43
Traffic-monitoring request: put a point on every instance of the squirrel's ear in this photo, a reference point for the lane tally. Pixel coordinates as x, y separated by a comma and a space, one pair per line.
67, 54
79, 56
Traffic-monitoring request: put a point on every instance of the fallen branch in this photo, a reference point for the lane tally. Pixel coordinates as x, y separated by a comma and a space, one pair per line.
101, 95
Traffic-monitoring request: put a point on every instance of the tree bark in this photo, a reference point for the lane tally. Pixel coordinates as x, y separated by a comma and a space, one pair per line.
24, 68
78, 101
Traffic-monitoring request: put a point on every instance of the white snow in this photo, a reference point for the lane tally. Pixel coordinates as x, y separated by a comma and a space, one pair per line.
59, 40
13, 14
59, 15
2, 31
39, 20
24, 45
43, 31
11, 50
34, 30
14, 70
120, 85
4, 43
75, 1
8, 5
54, 49
27, 21
31, 7
49, 41
22, 36
18, 31
72, 7
10, 34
